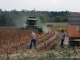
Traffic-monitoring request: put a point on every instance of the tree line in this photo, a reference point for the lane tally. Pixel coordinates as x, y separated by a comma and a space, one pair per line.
14, 17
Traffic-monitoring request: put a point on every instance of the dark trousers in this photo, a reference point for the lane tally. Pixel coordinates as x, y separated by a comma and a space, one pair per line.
33, 41
62, 41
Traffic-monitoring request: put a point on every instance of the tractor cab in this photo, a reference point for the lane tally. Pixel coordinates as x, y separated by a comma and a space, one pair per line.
31, 22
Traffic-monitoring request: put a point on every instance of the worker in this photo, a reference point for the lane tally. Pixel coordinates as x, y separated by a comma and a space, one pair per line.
33, 39
62, 37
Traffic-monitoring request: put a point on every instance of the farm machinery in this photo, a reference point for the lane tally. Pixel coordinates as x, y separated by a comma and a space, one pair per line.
73, 29
32, 23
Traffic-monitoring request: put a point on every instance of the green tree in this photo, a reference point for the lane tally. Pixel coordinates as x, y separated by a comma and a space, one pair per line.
58, 19
64, 19
3, 19
52, 20
42, 18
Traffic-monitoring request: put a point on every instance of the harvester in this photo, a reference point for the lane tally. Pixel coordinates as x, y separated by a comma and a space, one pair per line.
33, 23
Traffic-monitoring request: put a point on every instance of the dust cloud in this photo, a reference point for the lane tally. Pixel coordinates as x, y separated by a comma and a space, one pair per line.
43, 25
20, 22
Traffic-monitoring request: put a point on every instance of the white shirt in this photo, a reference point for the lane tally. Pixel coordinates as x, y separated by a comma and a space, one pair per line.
33, 35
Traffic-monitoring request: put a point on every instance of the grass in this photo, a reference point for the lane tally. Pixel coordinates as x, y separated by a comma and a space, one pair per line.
58, 26
61, 28
65, 55
62, 24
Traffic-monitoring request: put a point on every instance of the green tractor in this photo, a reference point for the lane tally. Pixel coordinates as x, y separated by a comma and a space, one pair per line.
32, 22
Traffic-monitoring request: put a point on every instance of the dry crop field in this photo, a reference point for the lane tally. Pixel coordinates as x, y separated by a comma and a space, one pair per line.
13, 39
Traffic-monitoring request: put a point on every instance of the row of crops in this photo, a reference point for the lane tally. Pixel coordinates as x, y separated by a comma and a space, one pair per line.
13, 39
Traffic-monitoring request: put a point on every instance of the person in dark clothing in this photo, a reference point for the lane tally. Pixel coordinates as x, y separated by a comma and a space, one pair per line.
62, 37
33, 36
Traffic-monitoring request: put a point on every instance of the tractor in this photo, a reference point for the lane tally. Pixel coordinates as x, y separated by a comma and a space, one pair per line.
33, 23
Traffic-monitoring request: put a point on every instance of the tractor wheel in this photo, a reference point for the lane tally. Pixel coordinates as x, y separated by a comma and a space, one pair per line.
71, 42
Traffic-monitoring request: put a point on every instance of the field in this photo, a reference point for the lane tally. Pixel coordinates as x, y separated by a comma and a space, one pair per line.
62, 24
13, 40
58, 26
14, 44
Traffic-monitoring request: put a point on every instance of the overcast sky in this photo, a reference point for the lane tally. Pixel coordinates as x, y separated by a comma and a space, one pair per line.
41, 5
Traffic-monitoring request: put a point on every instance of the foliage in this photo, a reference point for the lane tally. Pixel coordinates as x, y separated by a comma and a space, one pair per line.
42, 18
64, 19
57, 19
61, 28
42, 58
50, 55
14, 17
61, 19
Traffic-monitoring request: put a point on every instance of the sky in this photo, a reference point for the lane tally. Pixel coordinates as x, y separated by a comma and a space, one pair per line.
41, 5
